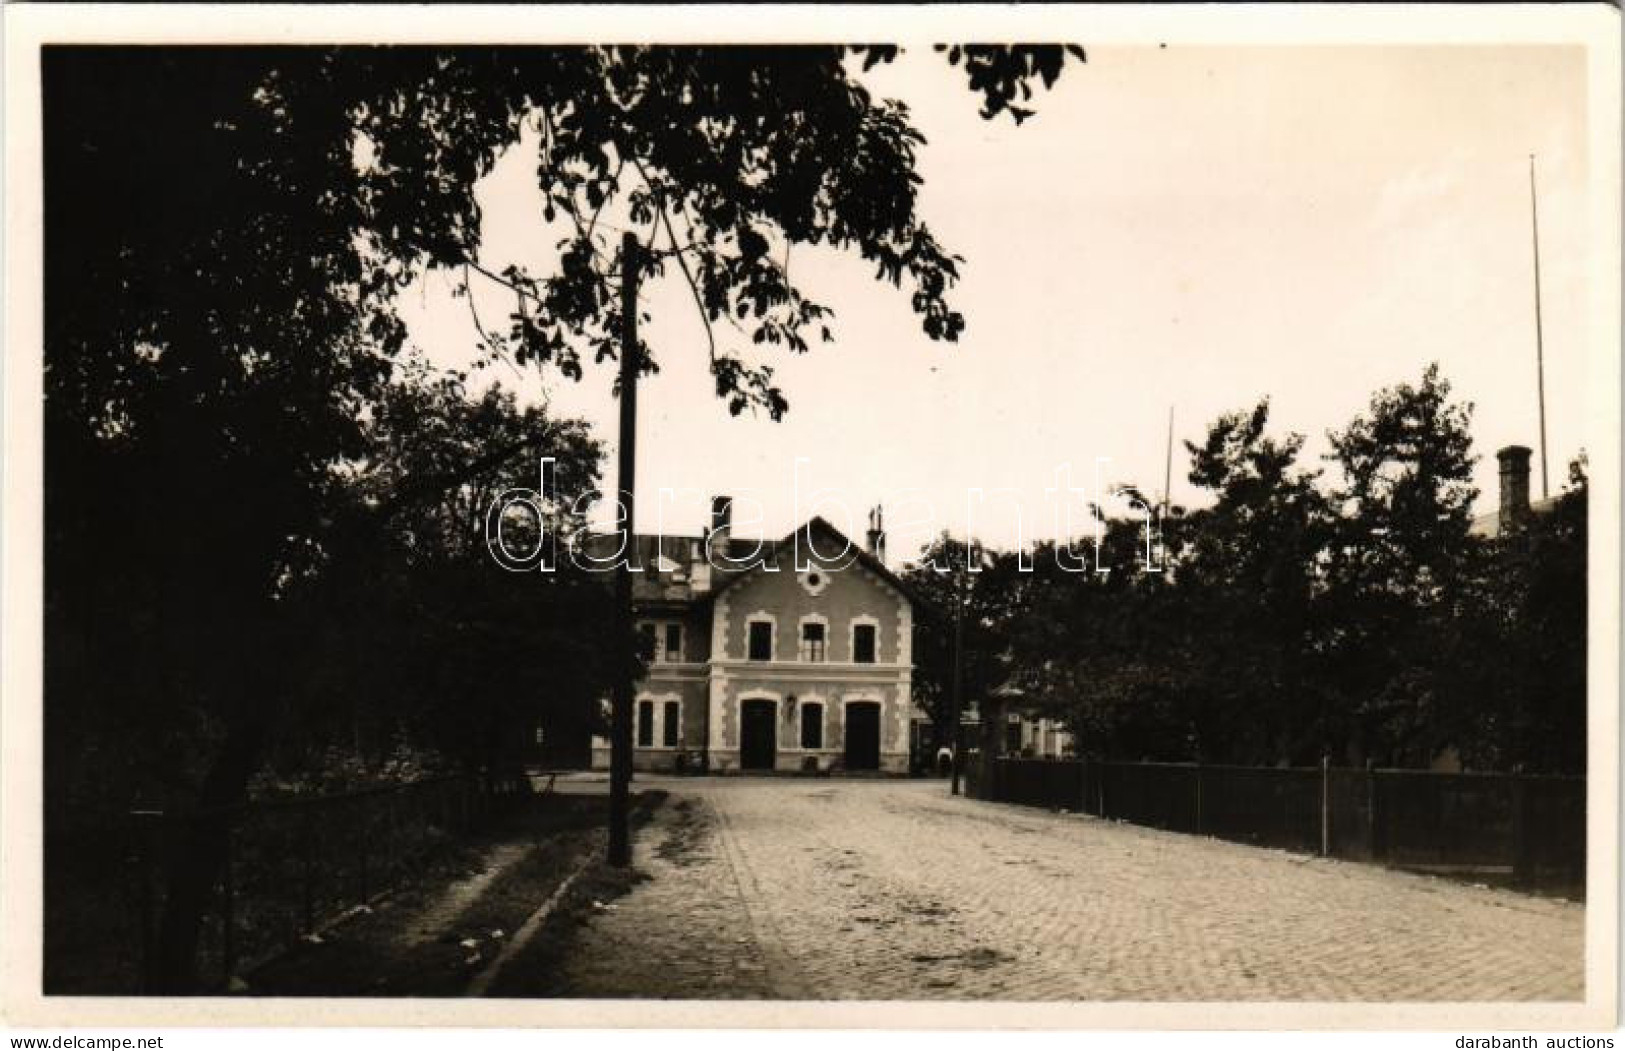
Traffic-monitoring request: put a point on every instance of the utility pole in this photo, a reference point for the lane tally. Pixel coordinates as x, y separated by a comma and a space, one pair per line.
1540, 349
625, 645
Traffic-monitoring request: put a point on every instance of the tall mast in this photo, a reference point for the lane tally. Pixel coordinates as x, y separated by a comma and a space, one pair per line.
1168, 465
1540, 349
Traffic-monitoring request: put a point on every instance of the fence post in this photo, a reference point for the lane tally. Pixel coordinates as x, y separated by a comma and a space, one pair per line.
1198, 797
1523, 873
145, 824
361, 847
228, 908
1373, 819
307, 861
1325, 806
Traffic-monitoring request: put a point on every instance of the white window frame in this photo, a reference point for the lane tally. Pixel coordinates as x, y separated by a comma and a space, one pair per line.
852, 637
801, 638
762, 616
661, 725
657, 723
659, 627
654, 720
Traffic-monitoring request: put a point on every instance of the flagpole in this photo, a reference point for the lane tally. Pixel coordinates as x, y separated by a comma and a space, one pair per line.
1168, 465
1540, 348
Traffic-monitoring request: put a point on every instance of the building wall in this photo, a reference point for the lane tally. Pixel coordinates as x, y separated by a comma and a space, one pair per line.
716, 676
843, 596
840, 597
1042, 738
790, 689
687, 685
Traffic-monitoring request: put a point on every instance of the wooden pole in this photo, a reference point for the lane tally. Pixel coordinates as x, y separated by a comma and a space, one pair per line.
1523, 857
1198, 770
958, 686
1325, 806
620, 742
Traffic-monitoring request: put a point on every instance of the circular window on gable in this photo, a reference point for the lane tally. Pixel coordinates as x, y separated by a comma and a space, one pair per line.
815, 579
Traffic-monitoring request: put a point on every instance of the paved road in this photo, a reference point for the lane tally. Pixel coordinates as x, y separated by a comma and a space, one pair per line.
798, 889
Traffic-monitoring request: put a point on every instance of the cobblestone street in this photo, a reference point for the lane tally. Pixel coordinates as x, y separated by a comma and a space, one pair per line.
895, 890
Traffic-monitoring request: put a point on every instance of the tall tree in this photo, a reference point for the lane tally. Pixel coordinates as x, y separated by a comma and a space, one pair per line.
1518, 644
1102, 642
983, 590
722, 159
432, 641
1401, 548
212, 332
226, 230
1251, 565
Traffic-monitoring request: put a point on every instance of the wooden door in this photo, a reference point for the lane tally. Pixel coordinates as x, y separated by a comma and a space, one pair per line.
758, 734
863, 735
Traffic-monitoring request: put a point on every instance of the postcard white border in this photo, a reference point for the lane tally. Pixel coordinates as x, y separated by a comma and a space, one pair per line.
1593, 27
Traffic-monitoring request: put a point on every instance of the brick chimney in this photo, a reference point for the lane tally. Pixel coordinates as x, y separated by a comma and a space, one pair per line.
877, 534
716, 538
1514, 488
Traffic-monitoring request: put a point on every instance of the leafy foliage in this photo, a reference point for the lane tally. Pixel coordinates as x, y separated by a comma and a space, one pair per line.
426, 638
1397, 565
721, 159
254, 506
985, 601
1361, 620
1518, 647
1003, 74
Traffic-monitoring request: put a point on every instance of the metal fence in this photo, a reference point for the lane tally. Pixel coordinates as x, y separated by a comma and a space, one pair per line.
291, 866
1512, 829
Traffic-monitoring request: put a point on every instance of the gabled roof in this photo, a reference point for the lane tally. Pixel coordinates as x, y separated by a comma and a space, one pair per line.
771, 549
663, 582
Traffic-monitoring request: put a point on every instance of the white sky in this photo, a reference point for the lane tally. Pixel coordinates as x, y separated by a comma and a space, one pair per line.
1189, 226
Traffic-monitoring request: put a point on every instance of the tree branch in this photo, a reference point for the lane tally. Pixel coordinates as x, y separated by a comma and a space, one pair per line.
677, 253
568, 200
495, 345
499, 279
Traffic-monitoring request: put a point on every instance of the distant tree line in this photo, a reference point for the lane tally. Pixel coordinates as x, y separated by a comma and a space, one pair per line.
1351, 613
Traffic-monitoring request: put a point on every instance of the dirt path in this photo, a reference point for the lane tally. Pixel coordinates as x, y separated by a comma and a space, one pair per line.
436, 938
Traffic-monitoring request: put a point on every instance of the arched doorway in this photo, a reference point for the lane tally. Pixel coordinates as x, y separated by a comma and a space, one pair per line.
863, 735
758, 734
